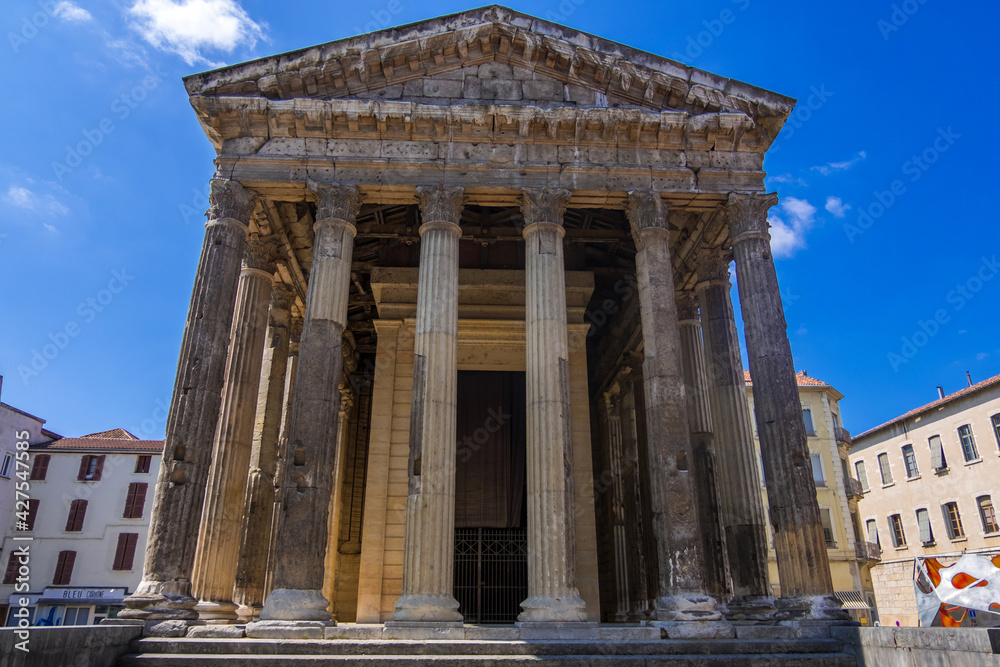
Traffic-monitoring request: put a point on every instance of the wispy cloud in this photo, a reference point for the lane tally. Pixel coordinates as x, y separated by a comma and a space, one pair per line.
192, 28
836, 206
832, 167
795, 217
23, 198
787, 179
74, 13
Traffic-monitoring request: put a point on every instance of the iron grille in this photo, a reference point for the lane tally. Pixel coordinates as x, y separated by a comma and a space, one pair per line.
491, 573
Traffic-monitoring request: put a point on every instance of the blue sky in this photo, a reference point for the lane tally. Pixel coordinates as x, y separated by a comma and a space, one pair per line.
885, 236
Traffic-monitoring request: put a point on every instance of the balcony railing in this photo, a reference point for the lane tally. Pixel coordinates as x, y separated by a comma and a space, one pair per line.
854, 489
868, 551
842, 434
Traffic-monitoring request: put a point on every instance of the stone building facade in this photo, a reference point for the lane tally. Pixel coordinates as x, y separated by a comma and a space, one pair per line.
461, 346
930, 481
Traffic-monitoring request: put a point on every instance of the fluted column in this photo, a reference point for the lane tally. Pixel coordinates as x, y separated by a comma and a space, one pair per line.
429, 543
794, 512
552, 593
337, 499
221, 518
300, 546
682, 586
613, 422
741, 505
255, 538
700, 419
165, 589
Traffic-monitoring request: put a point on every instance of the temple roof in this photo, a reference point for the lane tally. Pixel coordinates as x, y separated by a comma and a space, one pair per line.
361, 66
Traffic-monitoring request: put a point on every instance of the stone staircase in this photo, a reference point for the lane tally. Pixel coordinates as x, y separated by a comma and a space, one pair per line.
185, 652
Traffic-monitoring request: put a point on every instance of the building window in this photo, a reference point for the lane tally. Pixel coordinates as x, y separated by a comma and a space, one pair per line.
969, 450
142, 462
924, 523
13, 563
807, 419
817, 465
871, 527
911, 461
77, 510
954, 521
859, 468
996, 428
135, 499
64, 568
987, 515
883, 466
39, 467
76, 616
827, 520
125, 553
938, 461
8, 463
91, 468
896, 526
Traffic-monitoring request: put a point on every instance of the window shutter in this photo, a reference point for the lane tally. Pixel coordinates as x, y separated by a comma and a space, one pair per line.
872, 527
32, 512
862, 475
100, 467
139, 500
120, 552
39, 467
64, 568
84, 462
10, 576
77, 512
937, 453
924, 521
129, 556
883, 463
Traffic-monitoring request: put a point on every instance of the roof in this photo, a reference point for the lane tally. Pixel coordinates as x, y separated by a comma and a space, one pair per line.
116, 439
962, 393
801, 379
113, 434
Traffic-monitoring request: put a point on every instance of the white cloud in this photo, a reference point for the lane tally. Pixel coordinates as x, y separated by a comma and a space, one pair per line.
69, 11
787, 179
22, 197
831, 167
189, 28
836, 206
789, 227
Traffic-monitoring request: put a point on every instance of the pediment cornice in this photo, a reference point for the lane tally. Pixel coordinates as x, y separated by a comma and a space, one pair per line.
627, 77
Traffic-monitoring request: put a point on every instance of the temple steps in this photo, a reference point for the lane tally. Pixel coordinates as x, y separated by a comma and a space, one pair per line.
347, 653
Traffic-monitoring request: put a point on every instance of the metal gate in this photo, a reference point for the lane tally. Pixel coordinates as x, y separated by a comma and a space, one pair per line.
491, 573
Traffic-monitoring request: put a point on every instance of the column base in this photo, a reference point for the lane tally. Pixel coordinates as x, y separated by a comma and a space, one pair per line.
216, 613
810, 607
427, 609
160, 600
288, 604
248, 613
563, 609
750, 609
687, 607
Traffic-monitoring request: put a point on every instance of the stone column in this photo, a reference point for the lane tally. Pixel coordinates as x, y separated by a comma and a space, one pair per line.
705, 461
682, 586
165, 589
613, 423
552, 593
251, 568
742, 507
798, 534
221, 518
429, 543
300, 547
337, 499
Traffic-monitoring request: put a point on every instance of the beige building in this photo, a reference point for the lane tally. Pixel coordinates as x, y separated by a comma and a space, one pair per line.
461, 347
930, 479
837, 492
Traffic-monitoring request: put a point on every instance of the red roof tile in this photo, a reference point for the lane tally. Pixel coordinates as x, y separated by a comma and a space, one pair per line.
801, 379
989, 382
109, 444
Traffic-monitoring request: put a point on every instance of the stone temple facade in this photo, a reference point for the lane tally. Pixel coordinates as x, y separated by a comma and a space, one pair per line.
461, 346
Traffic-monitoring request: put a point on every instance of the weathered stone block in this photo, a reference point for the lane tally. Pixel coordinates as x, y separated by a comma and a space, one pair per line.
287, 629
442, 88
501, 89
495, 71
546, 89
166, 629
580, 95
523, 74
413, 88
217, 631
388, 93
472, 88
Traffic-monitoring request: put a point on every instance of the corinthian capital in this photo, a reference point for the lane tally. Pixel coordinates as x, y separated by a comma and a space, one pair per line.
646, 211
230, 200
335, 201
712, 264
282, 297
548, 205
687, 305
747, 214
440, 204
260, 255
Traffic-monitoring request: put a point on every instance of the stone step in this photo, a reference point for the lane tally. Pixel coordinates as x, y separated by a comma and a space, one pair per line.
344, 647
473, 660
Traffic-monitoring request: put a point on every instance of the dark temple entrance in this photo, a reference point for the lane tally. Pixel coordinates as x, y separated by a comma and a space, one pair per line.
491, 550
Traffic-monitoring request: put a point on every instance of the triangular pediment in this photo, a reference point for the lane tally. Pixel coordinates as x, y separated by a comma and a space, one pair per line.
493, 55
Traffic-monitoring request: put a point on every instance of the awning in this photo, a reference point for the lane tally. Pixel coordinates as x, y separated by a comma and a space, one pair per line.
852, 599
